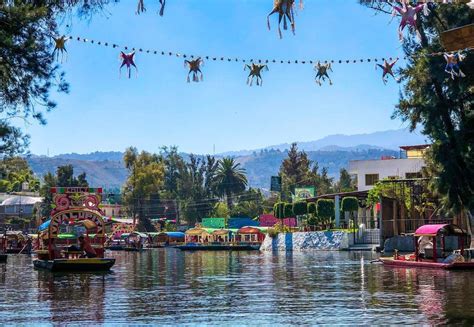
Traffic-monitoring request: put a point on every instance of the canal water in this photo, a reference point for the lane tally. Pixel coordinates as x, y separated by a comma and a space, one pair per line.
166, 286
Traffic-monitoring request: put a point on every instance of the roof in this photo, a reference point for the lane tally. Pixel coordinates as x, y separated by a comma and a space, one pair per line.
175, 234
435, 229
21, 200
414, 147
250, 230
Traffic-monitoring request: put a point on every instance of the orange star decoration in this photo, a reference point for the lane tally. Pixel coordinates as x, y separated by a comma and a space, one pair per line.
255, 73
194, 69
387, 69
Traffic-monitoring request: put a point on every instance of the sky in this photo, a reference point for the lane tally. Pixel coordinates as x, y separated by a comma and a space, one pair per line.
106, 112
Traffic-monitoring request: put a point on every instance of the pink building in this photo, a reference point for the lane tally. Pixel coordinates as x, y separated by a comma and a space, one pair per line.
269, 220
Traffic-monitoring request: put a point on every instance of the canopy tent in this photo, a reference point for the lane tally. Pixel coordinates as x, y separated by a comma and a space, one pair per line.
175, 234
437, 229
44, 226
196, 232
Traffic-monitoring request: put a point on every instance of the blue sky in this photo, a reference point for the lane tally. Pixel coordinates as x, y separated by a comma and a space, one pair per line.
104, 112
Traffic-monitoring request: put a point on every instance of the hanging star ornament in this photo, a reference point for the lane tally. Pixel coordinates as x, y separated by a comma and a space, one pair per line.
162, 9
140, 7
60, 47
255, 73
285, 10
387, 68
128, 60
194, 69
409, 16
452, 64
322, 73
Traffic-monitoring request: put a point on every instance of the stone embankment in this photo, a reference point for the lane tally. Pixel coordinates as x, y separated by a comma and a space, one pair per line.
323, 241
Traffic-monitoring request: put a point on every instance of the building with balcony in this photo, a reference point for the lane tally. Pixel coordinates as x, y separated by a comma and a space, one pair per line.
408, 166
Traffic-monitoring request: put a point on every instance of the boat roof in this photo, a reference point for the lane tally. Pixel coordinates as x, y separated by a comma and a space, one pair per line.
435, 229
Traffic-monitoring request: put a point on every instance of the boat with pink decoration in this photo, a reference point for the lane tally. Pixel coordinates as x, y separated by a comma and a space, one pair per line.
439, 246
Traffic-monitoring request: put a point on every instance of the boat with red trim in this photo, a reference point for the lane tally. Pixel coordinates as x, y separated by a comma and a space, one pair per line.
438, 246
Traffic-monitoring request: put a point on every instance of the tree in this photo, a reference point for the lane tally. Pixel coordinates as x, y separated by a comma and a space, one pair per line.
65, 178
230, 179
279, 210
14, 172
288, 211
143, 186
221, 210
325, 210
350, 204
442, 105
28, 70
249, 204
345, 183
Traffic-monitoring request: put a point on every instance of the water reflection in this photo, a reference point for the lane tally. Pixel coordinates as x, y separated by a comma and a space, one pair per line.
166, 286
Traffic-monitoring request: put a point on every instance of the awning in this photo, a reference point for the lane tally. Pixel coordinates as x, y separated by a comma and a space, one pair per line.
249, 230
196, 231
435, 229
175, 234
44, 226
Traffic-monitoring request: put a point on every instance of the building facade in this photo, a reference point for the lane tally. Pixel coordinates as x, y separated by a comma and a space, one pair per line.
408, 166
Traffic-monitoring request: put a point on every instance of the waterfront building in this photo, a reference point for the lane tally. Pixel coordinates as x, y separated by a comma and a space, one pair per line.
409, 165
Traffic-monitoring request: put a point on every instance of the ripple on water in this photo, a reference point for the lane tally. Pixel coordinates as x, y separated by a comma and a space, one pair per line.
166, 286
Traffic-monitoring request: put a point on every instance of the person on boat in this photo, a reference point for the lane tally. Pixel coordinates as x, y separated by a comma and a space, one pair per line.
56, 251
86, 247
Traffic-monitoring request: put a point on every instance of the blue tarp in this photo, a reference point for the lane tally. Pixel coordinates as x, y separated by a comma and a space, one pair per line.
238, 223
175, 234
44, 225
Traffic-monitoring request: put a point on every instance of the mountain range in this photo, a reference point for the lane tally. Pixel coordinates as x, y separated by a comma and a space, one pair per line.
334, 152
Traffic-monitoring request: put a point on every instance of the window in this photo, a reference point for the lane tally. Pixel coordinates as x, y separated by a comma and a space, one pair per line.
412, 175
392, 177
371, 179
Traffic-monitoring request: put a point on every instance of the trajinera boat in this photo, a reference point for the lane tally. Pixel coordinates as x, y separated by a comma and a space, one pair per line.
74, 206
439, 246
247, 238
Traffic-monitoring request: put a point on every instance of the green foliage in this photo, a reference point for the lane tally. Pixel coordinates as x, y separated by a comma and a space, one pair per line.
325, 209
297, 170
279, 210
350, 204
311, 208
249, 204
441, 105
221, 210
64, 177
288, 210
300, 208
230, 179
346, 183
14, 172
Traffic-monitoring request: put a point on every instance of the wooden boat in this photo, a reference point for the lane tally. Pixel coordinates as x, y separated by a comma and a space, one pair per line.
74, 206
3, 258
219, 247
391, 262
81, 264
428, 254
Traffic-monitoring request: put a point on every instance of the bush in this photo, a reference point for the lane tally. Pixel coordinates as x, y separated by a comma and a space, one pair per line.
325, 209
288, 210
279, 210
311, 208
300, 208
350, 204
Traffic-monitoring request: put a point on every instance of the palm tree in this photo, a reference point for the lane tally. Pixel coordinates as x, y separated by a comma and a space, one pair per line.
230, 179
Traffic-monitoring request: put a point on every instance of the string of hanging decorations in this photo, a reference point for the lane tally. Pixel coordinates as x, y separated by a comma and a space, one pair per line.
255, 67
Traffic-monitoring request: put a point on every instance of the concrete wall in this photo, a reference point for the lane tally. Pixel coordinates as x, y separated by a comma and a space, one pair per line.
323, 241
385, 168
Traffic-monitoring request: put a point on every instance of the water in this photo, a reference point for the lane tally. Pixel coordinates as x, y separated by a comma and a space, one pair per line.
166, 286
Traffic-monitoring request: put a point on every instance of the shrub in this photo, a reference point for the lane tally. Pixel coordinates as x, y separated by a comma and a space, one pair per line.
325, 209
311, 208
350, 204
300, 208
288, 210
279, 210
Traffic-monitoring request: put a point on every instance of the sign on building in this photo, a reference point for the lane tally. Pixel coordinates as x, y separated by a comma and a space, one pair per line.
303, 193
275, 184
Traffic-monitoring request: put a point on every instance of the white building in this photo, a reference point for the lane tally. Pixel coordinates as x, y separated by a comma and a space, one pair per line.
370, 171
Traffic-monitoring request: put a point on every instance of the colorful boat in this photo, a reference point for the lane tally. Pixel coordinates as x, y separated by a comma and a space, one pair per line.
165, 239
74, 206
247, 238
134, 241
15, 242
431, 249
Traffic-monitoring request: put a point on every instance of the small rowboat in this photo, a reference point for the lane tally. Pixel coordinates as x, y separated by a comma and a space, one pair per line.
427, 264
81, 264
3, 258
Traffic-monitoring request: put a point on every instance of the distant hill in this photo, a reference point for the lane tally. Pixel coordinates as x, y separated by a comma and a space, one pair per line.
390, 139
259, 165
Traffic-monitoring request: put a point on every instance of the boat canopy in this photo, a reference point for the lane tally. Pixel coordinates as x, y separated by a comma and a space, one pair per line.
44, 226
221, 232
196, 231
249, 230
127, 235
175, 234
436, 229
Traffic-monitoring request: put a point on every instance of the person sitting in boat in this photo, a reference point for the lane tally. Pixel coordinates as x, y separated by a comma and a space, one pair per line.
86, 247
